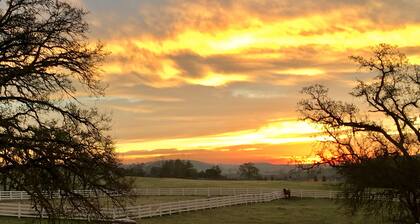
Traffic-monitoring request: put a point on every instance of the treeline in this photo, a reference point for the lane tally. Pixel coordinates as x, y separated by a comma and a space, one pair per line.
247, 171
175, 169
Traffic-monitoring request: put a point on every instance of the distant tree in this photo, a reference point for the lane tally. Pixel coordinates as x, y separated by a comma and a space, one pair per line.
135, 170
175, 168
374, 147
324, 178
155, 171
49, 141
249, 171
212, 173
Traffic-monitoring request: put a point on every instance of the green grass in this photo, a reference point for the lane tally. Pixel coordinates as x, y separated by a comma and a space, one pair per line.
294, 211
149, 182
302, 211
306, 211
11, 220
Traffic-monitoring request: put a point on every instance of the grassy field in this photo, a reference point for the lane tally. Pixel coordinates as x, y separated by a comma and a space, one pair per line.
149, 182
282, 211
306, 211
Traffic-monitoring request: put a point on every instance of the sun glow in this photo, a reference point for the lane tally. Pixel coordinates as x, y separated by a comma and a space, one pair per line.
304, 71
278, 132
217, 79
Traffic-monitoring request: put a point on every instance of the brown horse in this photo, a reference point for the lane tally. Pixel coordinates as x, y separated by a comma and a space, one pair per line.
286, 193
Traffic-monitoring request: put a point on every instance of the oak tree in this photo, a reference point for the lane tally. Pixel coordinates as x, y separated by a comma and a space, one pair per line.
50, 143
249, 171
374, 144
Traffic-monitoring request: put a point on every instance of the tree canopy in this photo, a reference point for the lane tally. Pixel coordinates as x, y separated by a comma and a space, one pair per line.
213, 172
49, 141
174, 168
249, 171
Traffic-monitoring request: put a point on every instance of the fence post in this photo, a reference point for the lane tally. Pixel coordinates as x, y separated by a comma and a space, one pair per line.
301, 194
19, 209
208, 192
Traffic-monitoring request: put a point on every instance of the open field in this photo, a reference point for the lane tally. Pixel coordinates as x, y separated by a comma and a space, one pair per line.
149, 182
306, 211
282, 211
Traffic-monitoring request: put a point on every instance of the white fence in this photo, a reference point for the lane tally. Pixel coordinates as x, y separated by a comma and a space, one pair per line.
209, 192
168, 208
236, 197
200, 191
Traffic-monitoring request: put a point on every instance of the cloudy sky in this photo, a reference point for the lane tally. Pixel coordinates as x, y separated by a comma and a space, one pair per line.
218, 80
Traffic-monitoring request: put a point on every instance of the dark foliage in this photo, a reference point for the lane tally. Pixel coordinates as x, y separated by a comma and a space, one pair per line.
174, 168
49, 141
212, 173
249, 171
136, 170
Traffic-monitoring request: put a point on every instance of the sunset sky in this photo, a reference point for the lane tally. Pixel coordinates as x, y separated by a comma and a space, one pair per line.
218, 80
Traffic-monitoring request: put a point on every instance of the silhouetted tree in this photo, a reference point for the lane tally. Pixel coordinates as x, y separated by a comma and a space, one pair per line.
155, 171
50, 142
135, 170
175, 168
374, 147
249, 171
212, 173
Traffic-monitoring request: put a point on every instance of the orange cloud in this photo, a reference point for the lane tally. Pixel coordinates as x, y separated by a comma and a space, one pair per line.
220, 79
277, 154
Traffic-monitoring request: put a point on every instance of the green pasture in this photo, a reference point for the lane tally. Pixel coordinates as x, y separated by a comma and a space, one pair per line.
305, 211
150, 182
301, 211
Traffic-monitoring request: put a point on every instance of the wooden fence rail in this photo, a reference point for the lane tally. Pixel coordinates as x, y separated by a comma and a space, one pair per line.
168, 208
21, 209
209, 192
